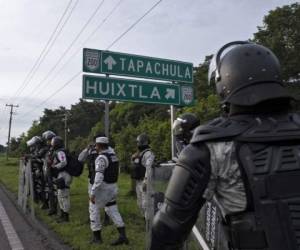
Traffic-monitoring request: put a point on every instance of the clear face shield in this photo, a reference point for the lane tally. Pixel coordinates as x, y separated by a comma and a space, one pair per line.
212, 71
33, 141
177, 127
30, 143
214, 66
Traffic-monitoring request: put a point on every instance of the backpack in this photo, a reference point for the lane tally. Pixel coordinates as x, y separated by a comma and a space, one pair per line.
74, 167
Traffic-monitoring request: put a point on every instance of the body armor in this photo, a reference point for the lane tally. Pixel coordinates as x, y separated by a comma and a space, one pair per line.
266, 149
111, 173
138, 169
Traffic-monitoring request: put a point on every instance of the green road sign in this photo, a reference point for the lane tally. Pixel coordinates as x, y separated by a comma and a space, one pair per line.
115, 63
118, 89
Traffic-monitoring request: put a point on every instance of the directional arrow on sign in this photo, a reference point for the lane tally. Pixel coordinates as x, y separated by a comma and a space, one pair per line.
110, 61
170, 94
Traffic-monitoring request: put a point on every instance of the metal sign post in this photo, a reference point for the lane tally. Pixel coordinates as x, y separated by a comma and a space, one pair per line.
106, 119
172, 111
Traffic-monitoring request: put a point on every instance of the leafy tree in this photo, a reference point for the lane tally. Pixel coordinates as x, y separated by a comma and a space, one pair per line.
206, 109
78, 144
84, 115
281, 33
159, 133
202, 88
132, 113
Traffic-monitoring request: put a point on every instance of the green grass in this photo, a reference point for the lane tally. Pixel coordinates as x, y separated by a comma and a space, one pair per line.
77, 232
9, 173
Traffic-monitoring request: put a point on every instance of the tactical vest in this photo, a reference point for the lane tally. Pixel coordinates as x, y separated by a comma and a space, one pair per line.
268, 153
91, 166
138, 169
111, 173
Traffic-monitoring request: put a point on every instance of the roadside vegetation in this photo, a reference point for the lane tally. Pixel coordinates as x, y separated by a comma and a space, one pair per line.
77, 233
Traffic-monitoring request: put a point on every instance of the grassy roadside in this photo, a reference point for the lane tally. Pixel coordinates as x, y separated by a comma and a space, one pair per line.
77, 233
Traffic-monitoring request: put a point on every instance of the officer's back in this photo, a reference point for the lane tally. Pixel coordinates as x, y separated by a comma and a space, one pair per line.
247, 162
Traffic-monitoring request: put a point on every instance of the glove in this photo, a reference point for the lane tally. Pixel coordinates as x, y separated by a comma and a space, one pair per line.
144, 187
93, 199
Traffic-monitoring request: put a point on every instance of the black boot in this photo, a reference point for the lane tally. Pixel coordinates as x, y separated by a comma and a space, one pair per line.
64, 217
122, 237
97, 239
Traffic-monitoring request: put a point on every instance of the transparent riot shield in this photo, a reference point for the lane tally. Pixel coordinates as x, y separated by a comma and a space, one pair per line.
157, 181
26, 191
160, 177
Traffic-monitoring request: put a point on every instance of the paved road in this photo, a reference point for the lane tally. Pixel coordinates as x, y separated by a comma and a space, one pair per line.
15, 231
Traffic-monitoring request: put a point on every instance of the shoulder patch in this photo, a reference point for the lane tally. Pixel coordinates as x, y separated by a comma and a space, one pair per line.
101, 163
61, 156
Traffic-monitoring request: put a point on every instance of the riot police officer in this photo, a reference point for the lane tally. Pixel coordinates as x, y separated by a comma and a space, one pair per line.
35, 144
52, 199
142, 163
103, 192
183, 129
63, 178
248, 162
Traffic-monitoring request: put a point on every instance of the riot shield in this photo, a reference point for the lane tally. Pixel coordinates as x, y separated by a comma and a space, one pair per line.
157, 181
26, 190
160, 177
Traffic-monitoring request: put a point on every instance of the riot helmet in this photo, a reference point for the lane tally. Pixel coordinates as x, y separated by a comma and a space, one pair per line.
246, 74
142, 141
183, 127
48, 135
57, 142
34, 141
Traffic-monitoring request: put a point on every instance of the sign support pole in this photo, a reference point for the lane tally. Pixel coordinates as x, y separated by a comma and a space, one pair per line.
106, 117
172, 112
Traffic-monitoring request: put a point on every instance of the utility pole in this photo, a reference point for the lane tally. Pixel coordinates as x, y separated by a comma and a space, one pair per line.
9, 128
65, 119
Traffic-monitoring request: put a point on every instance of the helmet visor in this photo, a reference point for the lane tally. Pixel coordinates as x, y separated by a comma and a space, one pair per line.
212, 70
214, 66
30, 143
177, 127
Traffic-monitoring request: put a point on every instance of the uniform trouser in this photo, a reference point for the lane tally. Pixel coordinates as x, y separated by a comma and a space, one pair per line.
141, 196
105, 198
63, 194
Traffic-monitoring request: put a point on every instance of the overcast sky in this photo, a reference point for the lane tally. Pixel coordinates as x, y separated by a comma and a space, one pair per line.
185, 30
